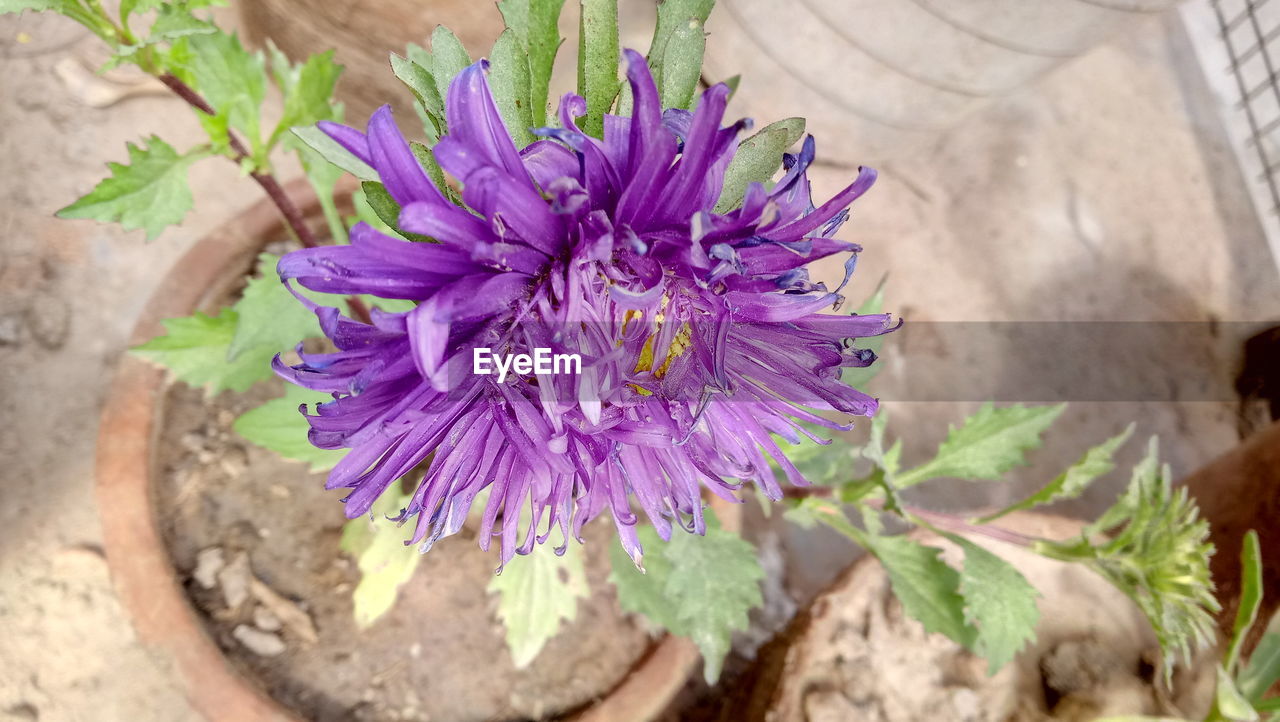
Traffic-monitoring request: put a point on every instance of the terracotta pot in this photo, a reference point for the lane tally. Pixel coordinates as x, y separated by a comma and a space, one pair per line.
141, 567
1236, 492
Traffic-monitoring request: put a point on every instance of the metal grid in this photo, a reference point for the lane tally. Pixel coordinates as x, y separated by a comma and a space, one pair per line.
1237, 43
1250, 31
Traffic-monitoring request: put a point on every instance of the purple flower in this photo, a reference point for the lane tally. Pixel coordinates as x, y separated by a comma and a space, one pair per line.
699, 334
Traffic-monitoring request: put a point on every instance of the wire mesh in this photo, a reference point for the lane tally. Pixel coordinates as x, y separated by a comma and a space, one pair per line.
1250, 33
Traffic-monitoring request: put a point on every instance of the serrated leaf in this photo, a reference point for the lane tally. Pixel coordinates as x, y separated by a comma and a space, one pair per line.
448, 58
999, 603
1072, 482
598, 61
176, 21
329, 149
509, 81
822, 464
17, 6
536, 592
859, 376
987, 444
270, 316
696, 587
644, 592
232, 79
682, 65
195, 350
928, 587
279, 426
757, 159
151, 192
385, 562
890, 460
307, 90
715, 581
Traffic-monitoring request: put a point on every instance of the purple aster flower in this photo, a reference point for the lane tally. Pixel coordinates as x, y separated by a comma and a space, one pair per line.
700, 334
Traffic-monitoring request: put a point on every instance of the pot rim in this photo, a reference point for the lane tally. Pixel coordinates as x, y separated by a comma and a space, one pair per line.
142, 570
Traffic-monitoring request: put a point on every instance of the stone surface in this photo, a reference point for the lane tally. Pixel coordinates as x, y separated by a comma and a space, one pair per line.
1099, 194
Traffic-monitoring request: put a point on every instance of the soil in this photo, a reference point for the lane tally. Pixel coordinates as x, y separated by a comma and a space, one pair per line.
438, 654
854, 656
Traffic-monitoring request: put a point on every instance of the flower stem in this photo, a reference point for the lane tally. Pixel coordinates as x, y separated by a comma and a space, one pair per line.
292, 215
951, 522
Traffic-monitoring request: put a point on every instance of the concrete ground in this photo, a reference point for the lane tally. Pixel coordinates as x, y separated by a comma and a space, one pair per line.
1103, 193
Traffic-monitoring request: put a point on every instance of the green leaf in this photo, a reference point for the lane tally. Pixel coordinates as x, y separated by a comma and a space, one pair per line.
323, 177
928, 587
998, 602
418, 79
644, 592
537, 591
388, 211
278, 426
673, 16
151, 192
889, 460
696, 587
716, 581
329, 149
544, 41
509, 82
1250, 597
1229, 703
811, 511
308, 91
682, 64
448, 59
822, 464
1072, 482
17, 6
270, 316
195, 350
385, 562
859, 376
757, 159
598, 61
231, 79
176, 21
428, 161
1263, 669
535, 24
988, 444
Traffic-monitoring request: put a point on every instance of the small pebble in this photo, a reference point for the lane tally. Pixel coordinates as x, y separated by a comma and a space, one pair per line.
261, 643
234, 461
208, 563
234, 579
266, 621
